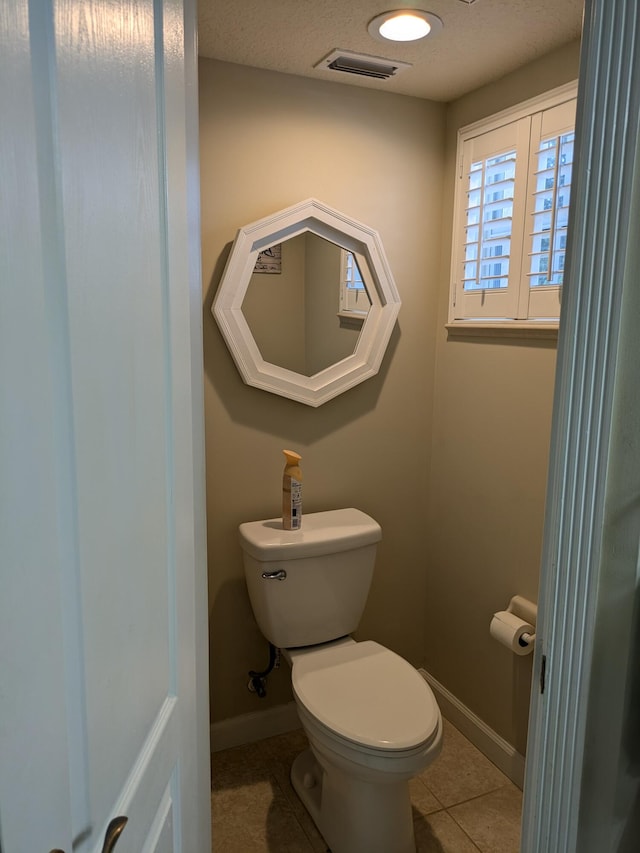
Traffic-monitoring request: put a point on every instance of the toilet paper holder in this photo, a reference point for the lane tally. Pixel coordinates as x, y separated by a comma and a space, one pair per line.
527, 639
515, 627
527, 611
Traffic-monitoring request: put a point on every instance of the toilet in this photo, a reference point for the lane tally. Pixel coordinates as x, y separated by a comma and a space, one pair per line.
371, 720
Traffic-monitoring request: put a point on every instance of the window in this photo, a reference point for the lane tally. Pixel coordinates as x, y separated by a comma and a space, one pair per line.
511, 213
354, 299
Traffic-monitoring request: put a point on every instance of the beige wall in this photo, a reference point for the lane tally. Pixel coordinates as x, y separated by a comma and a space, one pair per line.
267, 141
491, 429
328, 340
447, 447
274, 308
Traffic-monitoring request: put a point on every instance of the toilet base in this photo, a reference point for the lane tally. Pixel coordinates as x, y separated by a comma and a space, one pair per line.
306, 778
354, 816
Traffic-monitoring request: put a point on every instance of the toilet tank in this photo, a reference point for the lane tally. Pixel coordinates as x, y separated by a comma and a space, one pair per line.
320, 575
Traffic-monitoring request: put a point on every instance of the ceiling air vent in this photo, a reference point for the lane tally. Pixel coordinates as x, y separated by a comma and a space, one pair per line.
362, 64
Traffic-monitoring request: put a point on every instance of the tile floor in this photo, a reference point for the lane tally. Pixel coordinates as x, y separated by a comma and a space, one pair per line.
461, 804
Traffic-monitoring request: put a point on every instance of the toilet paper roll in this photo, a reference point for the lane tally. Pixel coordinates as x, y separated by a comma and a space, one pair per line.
508, 630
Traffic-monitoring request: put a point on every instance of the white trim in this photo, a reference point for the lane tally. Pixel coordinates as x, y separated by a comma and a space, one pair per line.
497, 749
197, 810
316, 218
255, 726
502, 329
541, 102
258, 725
573, 734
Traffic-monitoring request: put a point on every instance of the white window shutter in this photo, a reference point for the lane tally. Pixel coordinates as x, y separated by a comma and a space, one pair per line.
551, 162
511, 213
488, 256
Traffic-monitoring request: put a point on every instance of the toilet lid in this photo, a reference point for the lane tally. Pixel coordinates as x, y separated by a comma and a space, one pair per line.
367, 694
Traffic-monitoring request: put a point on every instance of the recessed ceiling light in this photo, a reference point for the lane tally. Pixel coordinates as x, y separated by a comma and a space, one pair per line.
404, 25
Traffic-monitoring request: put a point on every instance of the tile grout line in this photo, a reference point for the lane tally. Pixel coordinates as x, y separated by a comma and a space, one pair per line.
476, 796
269, 766
462, 829
285, 794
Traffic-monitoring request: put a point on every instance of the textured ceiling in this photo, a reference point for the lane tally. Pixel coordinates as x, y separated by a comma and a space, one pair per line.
479, 43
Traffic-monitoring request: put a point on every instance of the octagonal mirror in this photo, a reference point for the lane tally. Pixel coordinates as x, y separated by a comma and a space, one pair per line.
307, 303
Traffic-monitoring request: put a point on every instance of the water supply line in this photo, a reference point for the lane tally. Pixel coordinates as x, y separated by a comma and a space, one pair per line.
258, 680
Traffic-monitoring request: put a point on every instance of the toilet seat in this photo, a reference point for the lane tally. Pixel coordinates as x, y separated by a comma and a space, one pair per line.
366, 694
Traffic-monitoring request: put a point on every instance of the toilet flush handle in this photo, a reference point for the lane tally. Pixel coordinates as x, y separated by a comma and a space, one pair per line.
278, 575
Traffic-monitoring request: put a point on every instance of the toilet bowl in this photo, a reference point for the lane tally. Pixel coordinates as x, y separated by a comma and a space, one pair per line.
373, 724
371, 720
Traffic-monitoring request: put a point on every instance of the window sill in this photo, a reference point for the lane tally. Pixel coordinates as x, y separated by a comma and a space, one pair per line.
506, 329
351, 319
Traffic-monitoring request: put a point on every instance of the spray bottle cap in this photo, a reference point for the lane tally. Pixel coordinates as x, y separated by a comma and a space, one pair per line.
292, 457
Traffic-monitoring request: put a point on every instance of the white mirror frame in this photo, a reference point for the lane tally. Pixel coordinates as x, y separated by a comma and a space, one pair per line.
315, 217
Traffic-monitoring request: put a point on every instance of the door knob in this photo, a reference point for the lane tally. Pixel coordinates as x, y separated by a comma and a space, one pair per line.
111, 835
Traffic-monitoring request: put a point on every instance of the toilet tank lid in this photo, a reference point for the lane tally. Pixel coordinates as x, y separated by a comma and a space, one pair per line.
320, 533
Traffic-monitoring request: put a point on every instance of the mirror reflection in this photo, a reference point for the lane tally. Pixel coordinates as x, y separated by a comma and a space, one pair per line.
306, 303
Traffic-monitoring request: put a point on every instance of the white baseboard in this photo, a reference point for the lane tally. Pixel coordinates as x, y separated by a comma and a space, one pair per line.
496, 748
258, 725
249, 728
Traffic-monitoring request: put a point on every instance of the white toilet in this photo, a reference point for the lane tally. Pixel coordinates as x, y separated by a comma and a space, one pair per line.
371, 719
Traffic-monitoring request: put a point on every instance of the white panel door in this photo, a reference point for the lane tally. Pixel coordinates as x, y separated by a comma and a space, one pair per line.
103, 673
